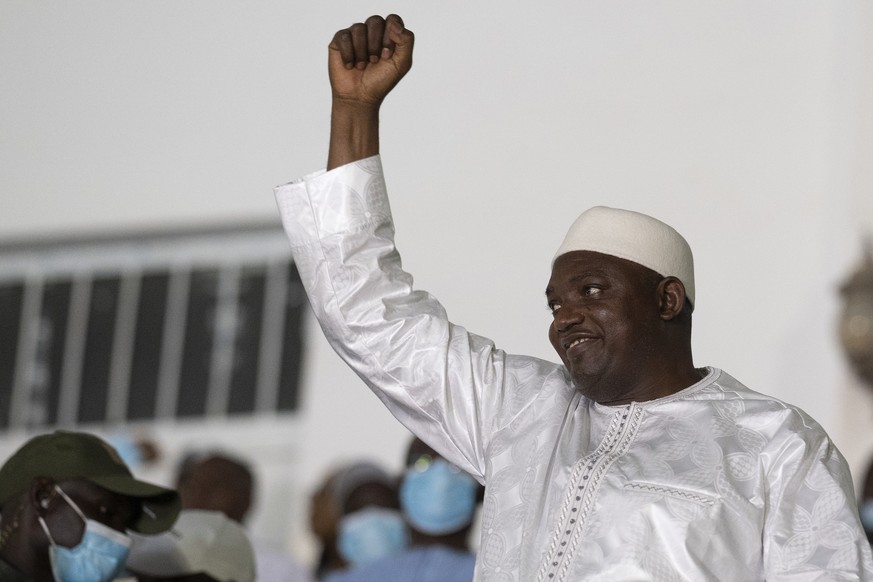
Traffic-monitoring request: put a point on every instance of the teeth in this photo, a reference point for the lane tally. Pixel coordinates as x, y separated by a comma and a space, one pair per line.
577, 342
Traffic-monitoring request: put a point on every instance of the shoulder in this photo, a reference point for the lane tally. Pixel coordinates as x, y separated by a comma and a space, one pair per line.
763, 425
733, 399
787, 434
764, 403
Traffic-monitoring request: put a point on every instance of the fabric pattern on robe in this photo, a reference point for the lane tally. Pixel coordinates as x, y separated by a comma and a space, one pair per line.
716, 482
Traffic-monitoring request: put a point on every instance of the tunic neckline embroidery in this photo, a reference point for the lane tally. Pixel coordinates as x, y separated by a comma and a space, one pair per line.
582, 489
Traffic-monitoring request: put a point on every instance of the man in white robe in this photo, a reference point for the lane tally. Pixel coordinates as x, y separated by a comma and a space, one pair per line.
625, 463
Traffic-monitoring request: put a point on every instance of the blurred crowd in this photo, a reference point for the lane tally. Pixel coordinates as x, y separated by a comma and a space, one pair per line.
72, 510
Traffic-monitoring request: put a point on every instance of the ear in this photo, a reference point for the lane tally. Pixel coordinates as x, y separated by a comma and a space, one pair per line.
42, 495
671, 295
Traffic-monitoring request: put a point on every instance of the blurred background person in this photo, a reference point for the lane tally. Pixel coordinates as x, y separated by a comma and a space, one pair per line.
137, 451
439, 503
220, 481
324, 514
202, 546
216, 481
356, 515
67, 502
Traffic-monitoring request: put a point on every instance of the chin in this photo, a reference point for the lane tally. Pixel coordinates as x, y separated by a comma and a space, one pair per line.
589, 387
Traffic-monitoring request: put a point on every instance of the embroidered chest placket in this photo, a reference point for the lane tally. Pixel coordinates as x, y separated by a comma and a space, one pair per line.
584, 483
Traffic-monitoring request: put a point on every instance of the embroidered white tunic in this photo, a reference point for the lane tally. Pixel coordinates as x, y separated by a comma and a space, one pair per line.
716, 482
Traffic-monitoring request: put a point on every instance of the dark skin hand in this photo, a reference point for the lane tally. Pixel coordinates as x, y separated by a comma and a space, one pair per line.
365, 62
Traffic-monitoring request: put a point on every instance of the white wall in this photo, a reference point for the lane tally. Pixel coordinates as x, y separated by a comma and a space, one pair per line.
744, 124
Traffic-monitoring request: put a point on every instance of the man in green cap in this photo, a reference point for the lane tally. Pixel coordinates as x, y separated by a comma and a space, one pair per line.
66, 502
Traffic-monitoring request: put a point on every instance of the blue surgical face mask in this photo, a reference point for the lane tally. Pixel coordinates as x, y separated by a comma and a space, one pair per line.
370, 534
98, 557
437, 497
866, 510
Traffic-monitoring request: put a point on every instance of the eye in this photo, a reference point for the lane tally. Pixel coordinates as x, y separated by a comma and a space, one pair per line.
591, 291
553, 306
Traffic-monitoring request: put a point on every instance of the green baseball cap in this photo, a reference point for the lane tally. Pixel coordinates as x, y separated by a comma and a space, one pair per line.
77, 455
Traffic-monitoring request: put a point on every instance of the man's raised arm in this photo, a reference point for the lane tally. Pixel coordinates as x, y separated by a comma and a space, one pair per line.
365, 61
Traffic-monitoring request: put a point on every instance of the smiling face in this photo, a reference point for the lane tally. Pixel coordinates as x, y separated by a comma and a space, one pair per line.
607, 325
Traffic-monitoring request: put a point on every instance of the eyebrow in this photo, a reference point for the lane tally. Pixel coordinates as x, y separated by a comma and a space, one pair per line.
586, 274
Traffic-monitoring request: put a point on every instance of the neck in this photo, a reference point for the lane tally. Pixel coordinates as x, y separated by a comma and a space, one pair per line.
658, 388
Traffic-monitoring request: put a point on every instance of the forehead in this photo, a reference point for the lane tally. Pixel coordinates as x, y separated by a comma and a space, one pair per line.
574, 264
374, 493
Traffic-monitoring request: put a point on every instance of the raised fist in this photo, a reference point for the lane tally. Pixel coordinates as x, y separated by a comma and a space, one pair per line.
367, 59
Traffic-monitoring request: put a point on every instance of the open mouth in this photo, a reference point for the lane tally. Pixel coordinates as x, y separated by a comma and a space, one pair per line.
577, 341
576, 344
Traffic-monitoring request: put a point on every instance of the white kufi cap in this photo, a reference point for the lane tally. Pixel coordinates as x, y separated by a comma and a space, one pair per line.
635, 237
205, 542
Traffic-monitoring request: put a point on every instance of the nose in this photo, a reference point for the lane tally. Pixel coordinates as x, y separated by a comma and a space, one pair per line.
566, 318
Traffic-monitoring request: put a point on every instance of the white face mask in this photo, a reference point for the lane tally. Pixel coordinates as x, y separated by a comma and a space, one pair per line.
98, 557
